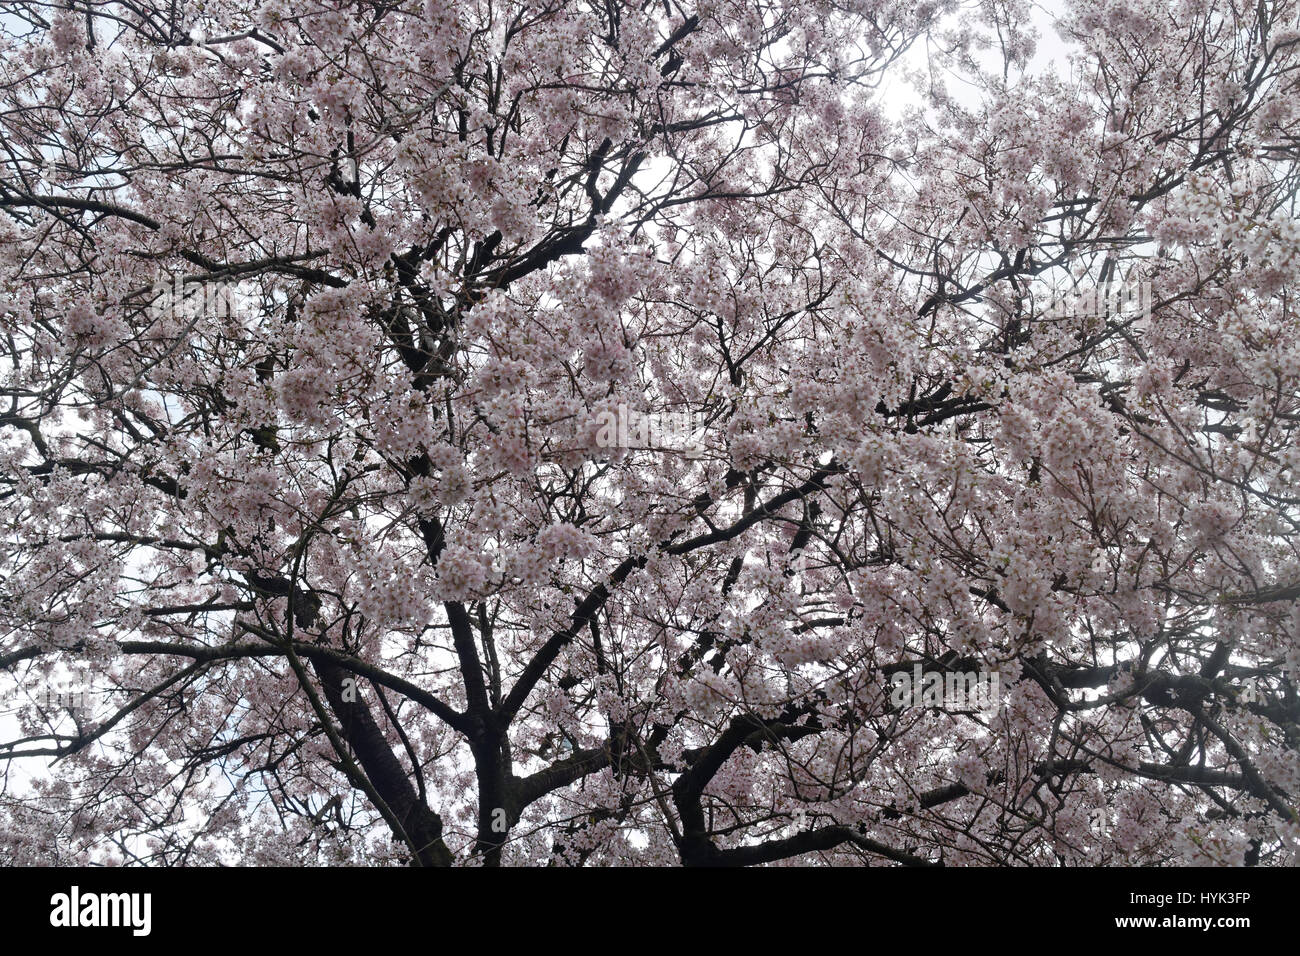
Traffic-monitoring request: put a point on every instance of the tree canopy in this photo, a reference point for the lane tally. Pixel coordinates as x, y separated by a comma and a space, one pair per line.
938, 358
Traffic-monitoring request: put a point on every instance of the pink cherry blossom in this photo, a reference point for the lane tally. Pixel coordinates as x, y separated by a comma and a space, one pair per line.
355, 555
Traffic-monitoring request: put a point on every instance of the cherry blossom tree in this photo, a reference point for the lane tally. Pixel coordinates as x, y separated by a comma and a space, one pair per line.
313, 313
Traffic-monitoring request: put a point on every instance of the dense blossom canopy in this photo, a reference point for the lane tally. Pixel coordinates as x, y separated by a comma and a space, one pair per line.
315, 315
